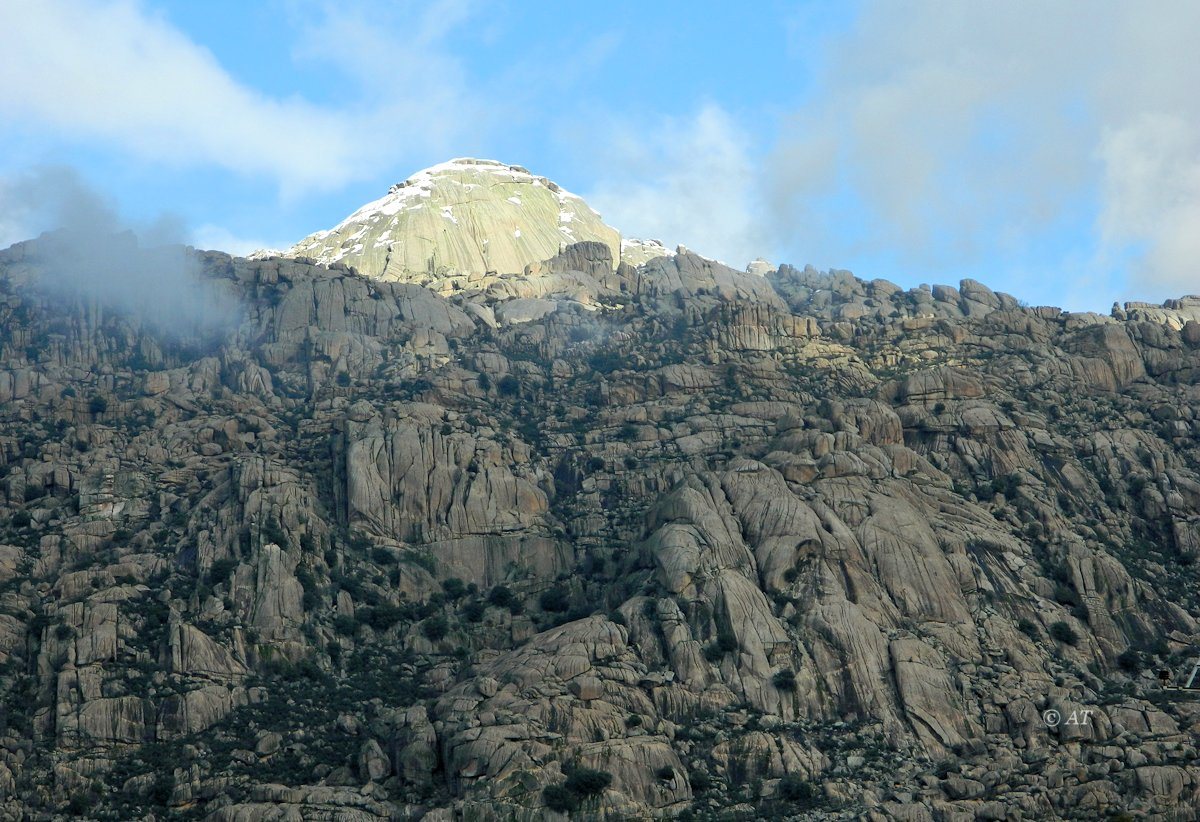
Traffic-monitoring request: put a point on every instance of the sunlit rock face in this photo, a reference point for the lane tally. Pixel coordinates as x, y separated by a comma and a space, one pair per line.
463, 217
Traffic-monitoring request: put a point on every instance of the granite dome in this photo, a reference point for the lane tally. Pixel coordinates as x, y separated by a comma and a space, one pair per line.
463, 217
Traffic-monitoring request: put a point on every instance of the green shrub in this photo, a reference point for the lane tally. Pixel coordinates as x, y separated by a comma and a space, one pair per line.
784, 680
1062, 632
473, 611
1129, 661
1065, 595
559, 799
454, 588
508, 386
381, 617
555, 599
794, 788
435, 627
97, 404
162, 787
665, 774
502, 596
344, 625
221, 570
273, 533
1027, 627
584, 782
21, 519
700, 781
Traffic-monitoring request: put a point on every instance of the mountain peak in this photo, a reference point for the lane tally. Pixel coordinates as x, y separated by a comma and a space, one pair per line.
466, 216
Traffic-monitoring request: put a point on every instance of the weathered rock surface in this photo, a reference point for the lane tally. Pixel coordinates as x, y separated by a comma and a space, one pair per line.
641, 540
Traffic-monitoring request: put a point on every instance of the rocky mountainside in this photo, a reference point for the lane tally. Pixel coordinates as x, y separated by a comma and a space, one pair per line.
596, 540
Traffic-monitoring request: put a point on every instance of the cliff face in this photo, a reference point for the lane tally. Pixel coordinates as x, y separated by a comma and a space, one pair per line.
629, 542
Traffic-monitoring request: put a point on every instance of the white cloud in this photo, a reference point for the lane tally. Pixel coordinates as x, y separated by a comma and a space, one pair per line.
218, 238
113, 71
953, 134
689, 181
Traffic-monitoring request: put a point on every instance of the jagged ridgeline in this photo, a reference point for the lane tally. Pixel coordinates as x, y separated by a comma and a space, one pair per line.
597, 533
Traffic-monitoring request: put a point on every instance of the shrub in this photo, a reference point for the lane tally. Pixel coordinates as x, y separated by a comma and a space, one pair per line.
1062, 632
381, 556
727, 642
33, 492
1065, 595
502, 596
454, 588
435, 627
784, 680
473, 611
665, 774
221, 570
555, 599
700, 781
713, 652
311, 598
273, 533
508, 386
559, 799
21, 519
627, 432
1027, 627
616, 617
595, 464
585, 782
162, 787
381, 617
344, 625
1129, 661
794, 788
97, 404
633, 721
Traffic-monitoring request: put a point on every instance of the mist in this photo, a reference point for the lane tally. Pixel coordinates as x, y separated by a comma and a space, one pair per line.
89, 254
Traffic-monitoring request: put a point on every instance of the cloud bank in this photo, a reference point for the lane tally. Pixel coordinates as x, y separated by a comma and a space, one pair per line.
112, 71
1054, 139
684, 180
92, 257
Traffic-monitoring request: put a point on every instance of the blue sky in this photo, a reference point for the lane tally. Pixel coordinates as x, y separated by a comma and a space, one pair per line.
1049, 149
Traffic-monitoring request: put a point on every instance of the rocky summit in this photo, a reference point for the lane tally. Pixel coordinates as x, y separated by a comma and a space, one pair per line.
566, 535
459, 224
